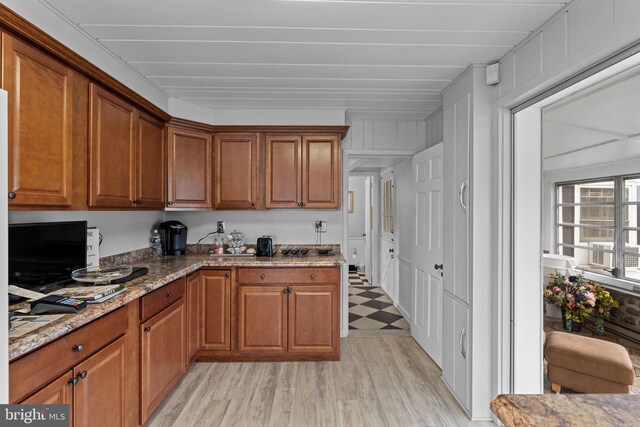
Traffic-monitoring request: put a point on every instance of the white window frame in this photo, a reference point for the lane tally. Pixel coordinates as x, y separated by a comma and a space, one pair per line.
621, 282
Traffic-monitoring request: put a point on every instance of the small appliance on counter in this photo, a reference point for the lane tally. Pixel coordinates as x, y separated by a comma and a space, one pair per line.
174, 238
264, 247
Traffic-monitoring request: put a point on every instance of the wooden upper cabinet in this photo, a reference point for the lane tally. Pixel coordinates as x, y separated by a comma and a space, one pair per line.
303, 171
189, 169
236, 171
151, 160
40, 125
112, 139
283, 171
321, 171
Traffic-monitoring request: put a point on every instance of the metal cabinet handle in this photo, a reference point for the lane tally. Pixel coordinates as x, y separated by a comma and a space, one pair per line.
262, 276
169, 294
463, 333
227, 275
78, 348
253, 205
12, 195
147, 329
82, 375
313, 276
170, 203
463, 187
74, 381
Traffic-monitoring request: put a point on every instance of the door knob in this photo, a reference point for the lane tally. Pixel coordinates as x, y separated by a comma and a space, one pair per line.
391, 251
438, 267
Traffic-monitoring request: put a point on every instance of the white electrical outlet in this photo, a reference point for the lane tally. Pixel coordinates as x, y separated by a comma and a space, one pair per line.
321, 226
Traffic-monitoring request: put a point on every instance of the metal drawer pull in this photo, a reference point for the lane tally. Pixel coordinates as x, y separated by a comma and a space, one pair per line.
82, 375
313, 276
463, 187
463, 333
169, 294
78, 348
12, 195
147, 329
262, 276
74, 381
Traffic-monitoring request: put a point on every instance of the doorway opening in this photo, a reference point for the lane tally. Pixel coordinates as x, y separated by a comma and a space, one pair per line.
371, 247
576, 166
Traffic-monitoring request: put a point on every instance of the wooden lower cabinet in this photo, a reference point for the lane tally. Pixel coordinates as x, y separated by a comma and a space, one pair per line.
313, 325
99, 398
194, 315
292, 320
162, 356
216, 305
94, 389
262, 319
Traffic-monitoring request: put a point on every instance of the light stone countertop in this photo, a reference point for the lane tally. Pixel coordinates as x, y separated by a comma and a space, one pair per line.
162, 270
567, 410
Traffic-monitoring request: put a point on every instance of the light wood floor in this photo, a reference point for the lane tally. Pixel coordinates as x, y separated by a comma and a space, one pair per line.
379, 381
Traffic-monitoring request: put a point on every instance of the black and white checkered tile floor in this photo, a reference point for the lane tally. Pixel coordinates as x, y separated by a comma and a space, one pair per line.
371, 311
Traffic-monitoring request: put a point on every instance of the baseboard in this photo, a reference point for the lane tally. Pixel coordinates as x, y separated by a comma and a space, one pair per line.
404, 312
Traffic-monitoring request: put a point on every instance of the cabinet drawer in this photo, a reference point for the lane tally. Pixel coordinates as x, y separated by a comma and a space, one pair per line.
289, 275
153, 303
40, 367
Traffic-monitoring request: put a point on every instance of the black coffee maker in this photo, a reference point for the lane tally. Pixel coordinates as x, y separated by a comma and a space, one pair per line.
174, 238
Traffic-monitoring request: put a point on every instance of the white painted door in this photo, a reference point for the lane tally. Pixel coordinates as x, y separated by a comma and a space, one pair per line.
426, 325
387, 240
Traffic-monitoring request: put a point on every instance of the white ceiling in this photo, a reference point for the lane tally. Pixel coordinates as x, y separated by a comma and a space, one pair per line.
601, 122
364, 56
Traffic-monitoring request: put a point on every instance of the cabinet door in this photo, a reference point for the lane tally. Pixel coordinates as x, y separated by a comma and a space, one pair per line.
216, 288
194, 315
100, 397
40, 125
58, 392
162, 356
321, 171
455, 349
150, 163
283, 171
262, 319
314, 317
236, 171
112, 141
457, 136
189, 169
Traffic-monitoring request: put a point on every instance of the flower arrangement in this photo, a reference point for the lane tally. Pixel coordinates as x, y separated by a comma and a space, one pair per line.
580, 299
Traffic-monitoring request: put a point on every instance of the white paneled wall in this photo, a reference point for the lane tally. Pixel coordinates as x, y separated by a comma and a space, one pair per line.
367, 135
434, 128
586, 30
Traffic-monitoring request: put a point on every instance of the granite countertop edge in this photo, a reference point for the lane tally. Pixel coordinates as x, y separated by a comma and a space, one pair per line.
162, 271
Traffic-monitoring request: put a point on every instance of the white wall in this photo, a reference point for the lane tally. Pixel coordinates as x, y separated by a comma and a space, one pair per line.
395, 135
356, 222
405, 220
434, 128
284, 225
121, 231
357, 217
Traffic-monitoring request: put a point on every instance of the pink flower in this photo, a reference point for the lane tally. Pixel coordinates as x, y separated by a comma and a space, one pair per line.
600, 310
590, 297
571, 305
548, 293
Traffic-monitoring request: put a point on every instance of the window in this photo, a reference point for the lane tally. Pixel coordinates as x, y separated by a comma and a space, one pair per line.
597, 224
387, 206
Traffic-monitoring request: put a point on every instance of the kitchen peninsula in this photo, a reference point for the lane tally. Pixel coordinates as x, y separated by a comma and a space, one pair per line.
188, 308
